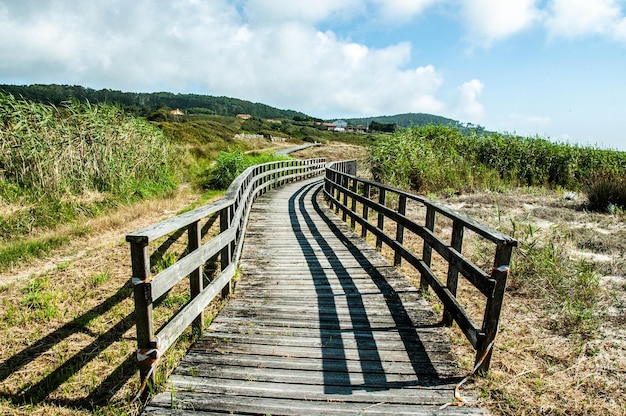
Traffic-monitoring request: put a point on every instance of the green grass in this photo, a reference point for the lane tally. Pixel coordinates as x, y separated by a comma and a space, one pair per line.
231, 164
57, 163
99, 278
13, 253
437, 158
38, 297
569, 291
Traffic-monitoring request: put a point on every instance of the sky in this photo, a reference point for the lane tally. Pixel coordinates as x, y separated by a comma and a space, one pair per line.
553, 68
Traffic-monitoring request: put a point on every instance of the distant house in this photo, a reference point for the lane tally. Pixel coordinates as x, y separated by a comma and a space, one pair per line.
177, 112
330, 126
342, 124
244, 116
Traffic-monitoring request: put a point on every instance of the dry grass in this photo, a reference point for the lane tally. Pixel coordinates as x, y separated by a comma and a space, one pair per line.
543, 364
68, 336
542, 367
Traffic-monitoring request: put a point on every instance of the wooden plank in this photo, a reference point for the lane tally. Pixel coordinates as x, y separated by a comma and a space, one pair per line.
175, 327
314, 327
196, 359
195, 277
192, 405
481, 229
165, 280
355, 393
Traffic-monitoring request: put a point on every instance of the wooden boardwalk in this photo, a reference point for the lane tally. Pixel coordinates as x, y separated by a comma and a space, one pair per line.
319, 324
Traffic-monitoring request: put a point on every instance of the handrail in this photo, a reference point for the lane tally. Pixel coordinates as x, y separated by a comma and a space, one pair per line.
233, 210
345, 192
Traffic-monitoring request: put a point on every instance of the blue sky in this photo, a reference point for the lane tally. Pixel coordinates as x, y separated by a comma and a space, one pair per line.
555, 68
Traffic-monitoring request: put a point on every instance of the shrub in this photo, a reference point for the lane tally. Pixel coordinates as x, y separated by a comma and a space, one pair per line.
230, 164
430, 158
606, 191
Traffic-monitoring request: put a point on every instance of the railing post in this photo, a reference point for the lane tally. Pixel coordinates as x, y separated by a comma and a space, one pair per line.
142, 291
453, 273
397, 257
353, 188
195, 277
366, 210
344, 183
500, 273
427, 253
327, 187
382, 196
336, 191
227, 252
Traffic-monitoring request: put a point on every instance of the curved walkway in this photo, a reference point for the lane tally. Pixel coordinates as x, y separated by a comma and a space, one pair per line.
319, 324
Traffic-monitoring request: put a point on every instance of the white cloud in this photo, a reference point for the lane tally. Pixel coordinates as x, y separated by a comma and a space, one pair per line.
492, 20
275, 11
183, 45
403, 10
467, 106
579, 18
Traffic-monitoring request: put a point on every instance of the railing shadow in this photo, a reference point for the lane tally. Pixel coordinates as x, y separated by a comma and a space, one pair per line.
39, 391
336, 375
105, 390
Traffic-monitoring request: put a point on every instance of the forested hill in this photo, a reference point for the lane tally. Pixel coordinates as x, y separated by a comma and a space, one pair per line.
145, 103
150, 104
415, 119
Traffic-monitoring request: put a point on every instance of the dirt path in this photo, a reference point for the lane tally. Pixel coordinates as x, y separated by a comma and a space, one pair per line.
104, 233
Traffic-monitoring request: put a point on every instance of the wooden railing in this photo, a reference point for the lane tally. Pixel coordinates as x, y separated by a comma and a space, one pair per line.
353, 196
232, 210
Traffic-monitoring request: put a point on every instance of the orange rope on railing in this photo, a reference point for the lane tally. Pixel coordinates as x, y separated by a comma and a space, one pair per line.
148, 357
137, 281
458, 399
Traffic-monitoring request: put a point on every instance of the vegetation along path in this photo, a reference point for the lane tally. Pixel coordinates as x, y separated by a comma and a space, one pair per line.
319, 323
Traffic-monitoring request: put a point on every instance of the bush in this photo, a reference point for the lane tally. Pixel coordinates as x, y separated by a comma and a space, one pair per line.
426, 159
55, 152
606, 191
232, 164
228, 167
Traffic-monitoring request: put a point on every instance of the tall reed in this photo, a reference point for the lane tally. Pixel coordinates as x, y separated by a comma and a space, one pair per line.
56, 161
435, 158
57, 151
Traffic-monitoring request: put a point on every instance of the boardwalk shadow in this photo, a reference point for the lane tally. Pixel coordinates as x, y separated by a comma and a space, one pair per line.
335, 361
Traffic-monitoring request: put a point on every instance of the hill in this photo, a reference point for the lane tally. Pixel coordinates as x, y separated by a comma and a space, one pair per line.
145, 103
417, 119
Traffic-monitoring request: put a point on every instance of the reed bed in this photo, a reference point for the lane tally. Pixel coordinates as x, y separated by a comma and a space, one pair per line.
56, 162
438, 158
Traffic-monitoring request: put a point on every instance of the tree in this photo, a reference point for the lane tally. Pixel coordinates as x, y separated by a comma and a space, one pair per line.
383, 127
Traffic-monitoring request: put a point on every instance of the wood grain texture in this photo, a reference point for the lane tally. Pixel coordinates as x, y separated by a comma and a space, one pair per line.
318, 324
